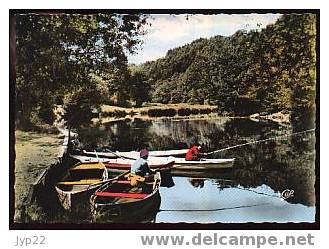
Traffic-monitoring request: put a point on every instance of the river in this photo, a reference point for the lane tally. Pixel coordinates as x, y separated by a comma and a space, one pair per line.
250, 192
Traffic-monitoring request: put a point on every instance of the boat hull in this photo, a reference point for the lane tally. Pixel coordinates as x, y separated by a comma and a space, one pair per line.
120, 165
203, 164
135, 154
79, 183
139, 212
71, 201
119, 202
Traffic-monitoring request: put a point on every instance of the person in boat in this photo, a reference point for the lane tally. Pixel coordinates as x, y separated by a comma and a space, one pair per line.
194, 153
140, 166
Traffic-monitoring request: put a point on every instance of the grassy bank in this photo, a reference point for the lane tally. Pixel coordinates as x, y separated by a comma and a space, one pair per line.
34, 153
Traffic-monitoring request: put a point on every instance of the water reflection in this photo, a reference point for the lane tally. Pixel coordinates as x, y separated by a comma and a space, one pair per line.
228, 204
197, 183
278, 164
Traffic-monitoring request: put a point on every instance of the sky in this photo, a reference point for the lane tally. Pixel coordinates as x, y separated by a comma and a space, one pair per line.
170, 31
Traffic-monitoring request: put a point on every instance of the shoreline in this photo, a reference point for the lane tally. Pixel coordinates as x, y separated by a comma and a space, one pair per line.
155, 111
35, 152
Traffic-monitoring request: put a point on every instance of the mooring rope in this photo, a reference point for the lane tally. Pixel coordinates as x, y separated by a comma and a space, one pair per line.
258, 141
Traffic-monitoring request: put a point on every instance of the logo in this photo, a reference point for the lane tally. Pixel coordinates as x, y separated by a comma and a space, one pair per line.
287, 193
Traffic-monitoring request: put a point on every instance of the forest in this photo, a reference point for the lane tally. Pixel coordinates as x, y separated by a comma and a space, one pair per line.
80, 62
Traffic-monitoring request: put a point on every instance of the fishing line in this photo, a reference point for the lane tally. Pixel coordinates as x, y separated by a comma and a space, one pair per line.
211, 210
260, 193
258, 141
242, 188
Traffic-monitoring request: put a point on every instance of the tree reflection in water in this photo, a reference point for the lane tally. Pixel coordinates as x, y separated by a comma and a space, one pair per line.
281, 164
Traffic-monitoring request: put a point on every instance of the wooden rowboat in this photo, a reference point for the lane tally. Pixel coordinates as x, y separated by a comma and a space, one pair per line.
117, 201
135, 154
79, 182
175, 163
119, 165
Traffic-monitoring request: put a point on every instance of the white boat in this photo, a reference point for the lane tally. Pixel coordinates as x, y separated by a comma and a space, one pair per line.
123, 164
135, 154
86, 159
203, 164
154, 162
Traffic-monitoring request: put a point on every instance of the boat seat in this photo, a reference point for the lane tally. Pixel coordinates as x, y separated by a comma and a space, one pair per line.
123, 195
88, 166
81, 182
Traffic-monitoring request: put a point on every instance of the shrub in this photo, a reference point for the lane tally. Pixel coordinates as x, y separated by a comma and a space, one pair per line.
154, 112
205, 111
184, 111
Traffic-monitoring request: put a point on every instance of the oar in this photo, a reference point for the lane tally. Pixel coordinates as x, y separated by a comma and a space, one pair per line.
118, 155
109, 180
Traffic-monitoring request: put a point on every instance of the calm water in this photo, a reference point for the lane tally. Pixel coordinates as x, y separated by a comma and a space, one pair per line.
249, 193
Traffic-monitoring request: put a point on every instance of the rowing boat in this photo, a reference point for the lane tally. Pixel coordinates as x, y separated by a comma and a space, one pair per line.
202, 164
79, 182
117, 201
175, 163
135, 154
119, 165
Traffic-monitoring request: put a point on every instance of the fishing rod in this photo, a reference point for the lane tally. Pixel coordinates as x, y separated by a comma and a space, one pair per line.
111, 152
258, 141
118, 155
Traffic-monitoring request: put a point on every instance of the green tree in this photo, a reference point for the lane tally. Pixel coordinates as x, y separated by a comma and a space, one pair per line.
139, 87
57, 54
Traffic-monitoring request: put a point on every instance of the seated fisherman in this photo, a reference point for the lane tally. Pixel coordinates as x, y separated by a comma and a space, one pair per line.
194, 153
140, 171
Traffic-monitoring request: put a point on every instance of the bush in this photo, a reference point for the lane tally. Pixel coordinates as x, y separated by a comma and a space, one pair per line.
205, 111
115, 113
195, 111
184, 111
154, 112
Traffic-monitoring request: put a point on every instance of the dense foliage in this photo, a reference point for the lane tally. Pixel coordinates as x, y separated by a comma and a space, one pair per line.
258, 71
79, 62
61, 58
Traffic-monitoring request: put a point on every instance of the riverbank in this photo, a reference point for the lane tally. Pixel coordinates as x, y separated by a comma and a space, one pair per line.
158, 110
279, 117
153, 111
34, 153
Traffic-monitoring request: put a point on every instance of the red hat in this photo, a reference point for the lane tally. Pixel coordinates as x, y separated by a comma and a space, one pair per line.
144, 153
